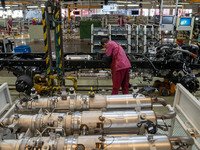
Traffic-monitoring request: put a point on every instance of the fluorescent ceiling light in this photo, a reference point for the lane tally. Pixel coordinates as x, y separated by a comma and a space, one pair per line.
123, 2
43, 5
11, 5
32, 6
172, 5
184, 3
5, 7
120, 5
144, 2
132, 5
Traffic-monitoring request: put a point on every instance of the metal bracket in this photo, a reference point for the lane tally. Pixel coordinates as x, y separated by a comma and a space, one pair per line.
5, 98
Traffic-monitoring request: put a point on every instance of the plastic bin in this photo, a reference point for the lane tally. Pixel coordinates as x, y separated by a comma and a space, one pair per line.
22, 49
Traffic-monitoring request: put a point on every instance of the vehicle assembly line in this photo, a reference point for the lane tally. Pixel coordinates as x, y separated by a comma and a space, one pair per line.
99, 75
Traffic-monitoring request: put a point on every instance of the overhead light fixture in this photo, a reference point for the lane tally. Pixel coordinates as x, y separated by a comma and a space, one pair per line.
170, 5
12, 5
32, 6
5, 7
119, 5
42, 5
124, 2
184, 3
144, 2
133, 5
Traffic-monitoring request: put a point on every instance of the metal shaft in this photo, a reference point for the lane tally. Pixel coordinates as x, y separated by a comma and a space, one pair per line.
84, 102
149, 142
84, 123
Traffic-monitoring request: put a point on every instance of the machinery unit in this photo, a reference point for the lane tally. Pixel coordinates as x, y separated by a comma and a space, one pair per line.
168, 23
185, 23
184, 29
148, 142
167, 29
75, 102
78, 57
89, 122
166, 63
89, 130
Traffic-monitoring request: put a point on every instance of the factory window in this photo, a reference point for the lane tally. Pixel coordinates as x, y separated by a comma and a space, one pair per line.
152, 12
145, 12
120, 12
182, 12
166, 11
33, 13
64, 12
17, 14
157, 11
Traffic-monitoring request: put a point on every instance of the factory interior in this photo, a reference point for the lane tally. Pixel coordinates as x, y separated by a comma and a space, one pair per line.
99, 75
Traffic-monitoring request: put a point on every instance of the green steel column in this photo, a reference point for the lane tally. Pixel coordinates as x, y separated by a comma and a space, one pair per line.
59, 44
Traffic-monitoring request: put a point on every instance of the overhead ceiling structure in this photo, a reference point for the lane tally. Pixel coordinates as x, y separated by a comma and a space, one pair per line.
120, 3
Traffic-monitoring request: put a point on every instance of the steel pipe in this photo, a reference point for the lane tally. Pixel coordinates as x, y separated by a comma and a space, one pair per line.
165, 115
149, 142
83, 102
186, 140
84, 123
159, 100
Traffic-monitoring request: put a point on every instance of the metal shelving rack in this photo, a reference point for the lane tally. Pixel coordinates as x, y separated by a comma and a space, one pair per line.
134, 38
129, 38
142, 39
151, 47
142, 36
150, 35
97, 33
121, 35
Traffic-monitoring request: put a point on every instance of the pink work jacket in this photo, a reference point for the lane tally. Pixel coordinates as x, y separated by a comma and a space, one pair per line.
119, 59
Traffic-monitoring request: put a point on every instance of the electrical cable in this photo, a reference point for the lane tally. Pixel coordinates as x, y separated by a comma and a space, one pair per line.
51, 68
48, 20
185, 69
110, 123
51, 112
111, 142
151, 63
40, 133
56, 20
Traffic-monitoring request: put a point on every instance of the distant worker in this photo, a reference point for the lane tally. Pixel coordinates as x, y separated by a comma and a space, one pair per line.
34, 21
128, 18
120, 66
121, 21
9, 25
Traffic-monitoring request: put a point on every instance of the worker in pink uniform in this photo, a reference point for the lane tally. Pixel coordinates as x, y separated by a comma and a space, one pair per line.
9, 25
34, 21
121, 21
128, 18
120, 66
